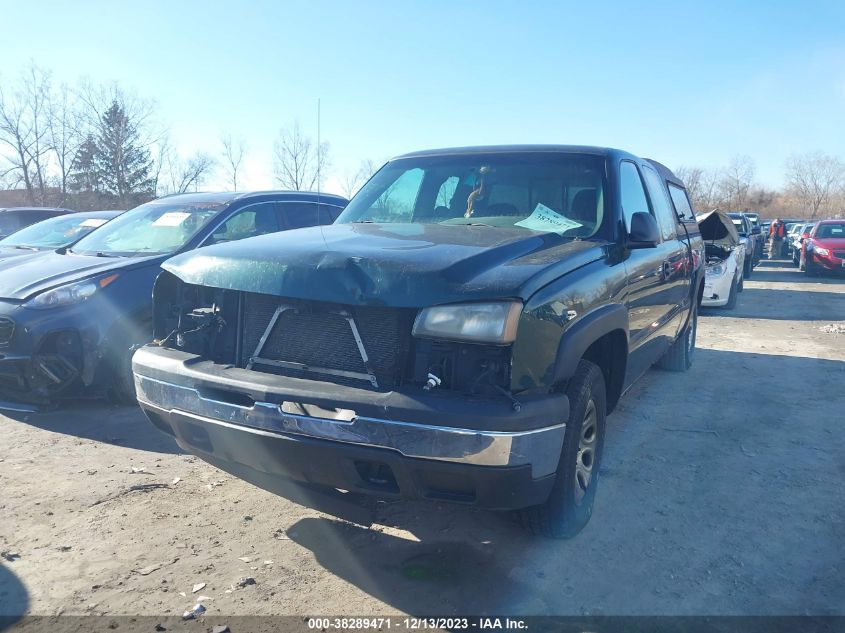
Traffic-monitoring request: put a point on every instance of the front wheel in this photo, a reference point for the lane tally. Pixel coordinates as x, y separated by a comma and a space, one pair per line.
748, 267
731, 304
122, 388
570, 504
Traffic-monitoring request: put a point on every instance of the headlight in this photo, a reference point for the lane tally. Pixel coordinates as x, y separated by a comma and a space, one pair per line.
818, 250
69, 294
473, 322
716, 270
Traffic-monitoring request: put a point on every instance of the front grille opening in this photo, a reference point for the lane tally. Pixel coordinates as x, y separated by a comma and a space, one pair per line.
377, 476
315, 340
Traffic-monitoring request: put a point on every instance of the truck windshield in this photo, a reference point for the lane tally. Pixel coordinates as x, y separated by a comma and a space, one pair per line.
532, 191
155, 228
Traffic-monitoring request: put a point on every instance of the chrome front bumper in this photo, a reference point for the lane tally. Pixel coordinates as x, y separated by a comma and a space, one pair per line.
539, 448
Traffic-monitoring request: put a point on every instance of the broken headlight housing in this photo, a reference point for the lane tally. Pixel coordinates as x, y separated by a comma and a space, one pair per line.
494, 323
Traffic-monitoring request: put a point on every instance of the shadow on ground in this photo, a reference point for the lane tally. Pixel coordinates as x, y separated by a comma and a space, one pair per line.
419, 578
784, 305
785, 270
101, 422
14, 599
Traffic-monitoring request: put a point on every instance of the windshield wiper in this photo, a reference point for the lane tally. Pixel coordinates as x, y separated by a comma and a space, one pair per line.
26, 248
467, 224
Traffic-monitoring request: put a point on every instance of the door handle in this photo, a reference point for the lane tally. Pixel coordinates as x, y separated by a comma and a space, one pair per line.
666, 269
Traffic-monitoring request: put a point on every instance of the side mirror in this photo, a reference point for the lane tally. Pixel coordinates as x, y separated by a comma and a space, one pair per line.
644, 232
756, 231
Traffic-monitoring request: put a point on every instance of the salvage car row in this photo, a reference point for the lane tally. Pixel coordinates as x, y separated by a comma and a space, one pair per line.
458, 332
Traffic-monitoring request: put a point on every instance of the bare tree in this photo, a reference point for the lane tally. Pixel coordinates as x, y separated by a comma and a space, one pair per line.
174, 175
691, 177
233, 155
194, 172
24, 115
298, 163
703, 186
737, 179
815, 179
352, 180
66, 135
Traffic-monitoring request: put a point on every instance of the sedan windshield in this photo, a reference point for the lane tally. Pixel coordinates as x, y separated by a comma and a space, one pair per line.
532, 191
53, 233
155, 228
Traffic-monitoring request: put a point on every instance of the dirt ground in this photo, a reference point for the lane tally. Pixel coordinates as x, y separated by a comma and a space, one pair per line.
721, 493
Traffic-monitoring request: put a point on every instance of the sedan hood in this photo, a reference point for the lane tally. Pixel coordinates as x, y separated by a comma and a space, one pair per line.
23, 277
717, 227
833, 243
10, 252
401, 265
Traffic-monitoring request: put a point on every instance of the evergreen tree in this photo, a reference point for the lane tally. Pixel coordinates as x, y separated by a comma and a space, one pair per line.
83, 176
123, 166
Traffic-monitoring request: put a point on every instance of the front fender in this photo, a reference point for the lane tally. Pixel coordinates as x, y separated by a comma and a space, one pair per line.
583, 333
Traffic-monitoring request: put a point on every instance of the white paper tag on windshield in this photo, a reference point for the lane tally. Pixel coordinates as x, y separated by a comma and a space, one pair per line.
171, 218
545, 219
95, 222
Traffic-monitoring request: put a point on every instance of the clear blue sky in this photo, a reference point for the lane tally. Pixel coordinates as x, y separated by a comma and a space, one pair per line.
683, 83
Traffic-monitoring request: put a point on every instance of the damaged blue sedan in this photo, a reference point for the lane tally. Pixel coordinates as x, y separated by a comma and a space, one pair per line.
70, 319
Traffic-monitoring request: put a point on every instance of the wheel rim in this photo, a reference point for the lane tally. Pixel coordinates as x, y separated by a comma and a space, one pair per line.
586, 457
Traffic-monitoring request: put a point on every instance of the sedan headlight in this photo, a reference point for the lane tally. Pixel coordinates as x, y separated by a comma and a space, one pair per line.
818, 250
69, 294
717, 271
472, 322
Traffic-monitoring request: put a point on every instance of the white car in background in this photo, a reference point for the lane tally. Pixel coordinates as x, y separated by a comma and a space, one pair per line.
796, 239
725, 257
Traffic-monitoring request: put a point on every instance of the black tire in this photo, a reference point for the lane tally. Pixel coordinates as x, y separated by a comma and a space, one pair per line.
747, 267
123, 382
680, 355
731, 304
796, 259
570, 504
810, 268
741, 285
122, 388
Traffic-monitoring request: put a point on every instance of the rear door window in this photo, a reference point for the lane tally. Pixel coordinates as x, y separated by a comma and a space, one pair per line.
329, 213
299, 215
256, 219
681, 202
663, 211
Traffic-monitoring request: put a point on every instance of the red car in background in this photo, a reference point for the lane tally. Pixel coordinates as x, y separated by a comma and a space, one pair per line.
824, 249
